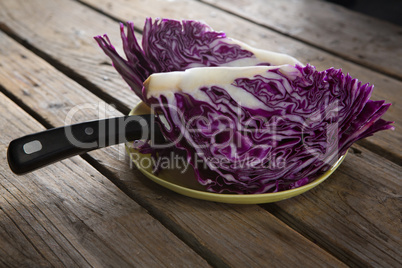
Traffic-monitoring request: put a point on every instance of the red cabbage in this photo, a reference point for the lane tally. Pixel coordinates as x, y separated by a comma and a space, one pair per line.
267, 126
170, 45
299, 122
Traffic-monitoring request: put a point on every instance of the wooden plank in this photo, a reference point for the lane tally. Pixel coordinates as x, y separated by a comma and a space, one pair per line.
22, 252
385, 88
356, 212
348, 34
225, 235
68, 214
68, 42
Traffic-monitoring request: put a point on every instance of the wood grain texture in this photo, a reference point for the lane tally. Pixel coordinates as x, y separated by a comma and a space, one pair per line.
68, 214
49, 28
385, 87
361, 204
314, 219
348, 34
225, 235
355, 214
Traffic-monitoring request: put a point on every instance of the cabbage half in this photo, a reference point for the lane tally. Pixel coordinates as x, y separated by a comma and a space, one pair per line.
250, 121
170, 45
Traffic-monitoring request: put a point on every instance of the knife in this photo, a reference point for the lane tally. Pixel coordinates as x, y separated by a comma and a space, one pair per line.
36, 150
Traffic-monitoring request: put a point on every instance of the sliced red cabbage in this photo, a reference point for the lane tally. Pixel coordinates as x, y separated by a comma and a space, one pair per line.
250, 120
171, 45
263, 129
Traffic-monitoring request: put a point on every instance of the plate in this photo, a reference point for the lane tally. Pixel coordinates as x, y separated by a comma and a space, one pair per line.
185, 183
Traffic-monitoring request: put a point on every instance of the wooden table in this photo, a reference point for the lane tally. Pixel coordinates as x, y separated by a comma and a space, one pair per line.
96, 210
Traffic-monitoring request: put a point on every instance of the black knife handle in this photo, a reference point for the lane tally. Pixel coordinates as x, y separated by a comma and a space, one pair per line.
37, 150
